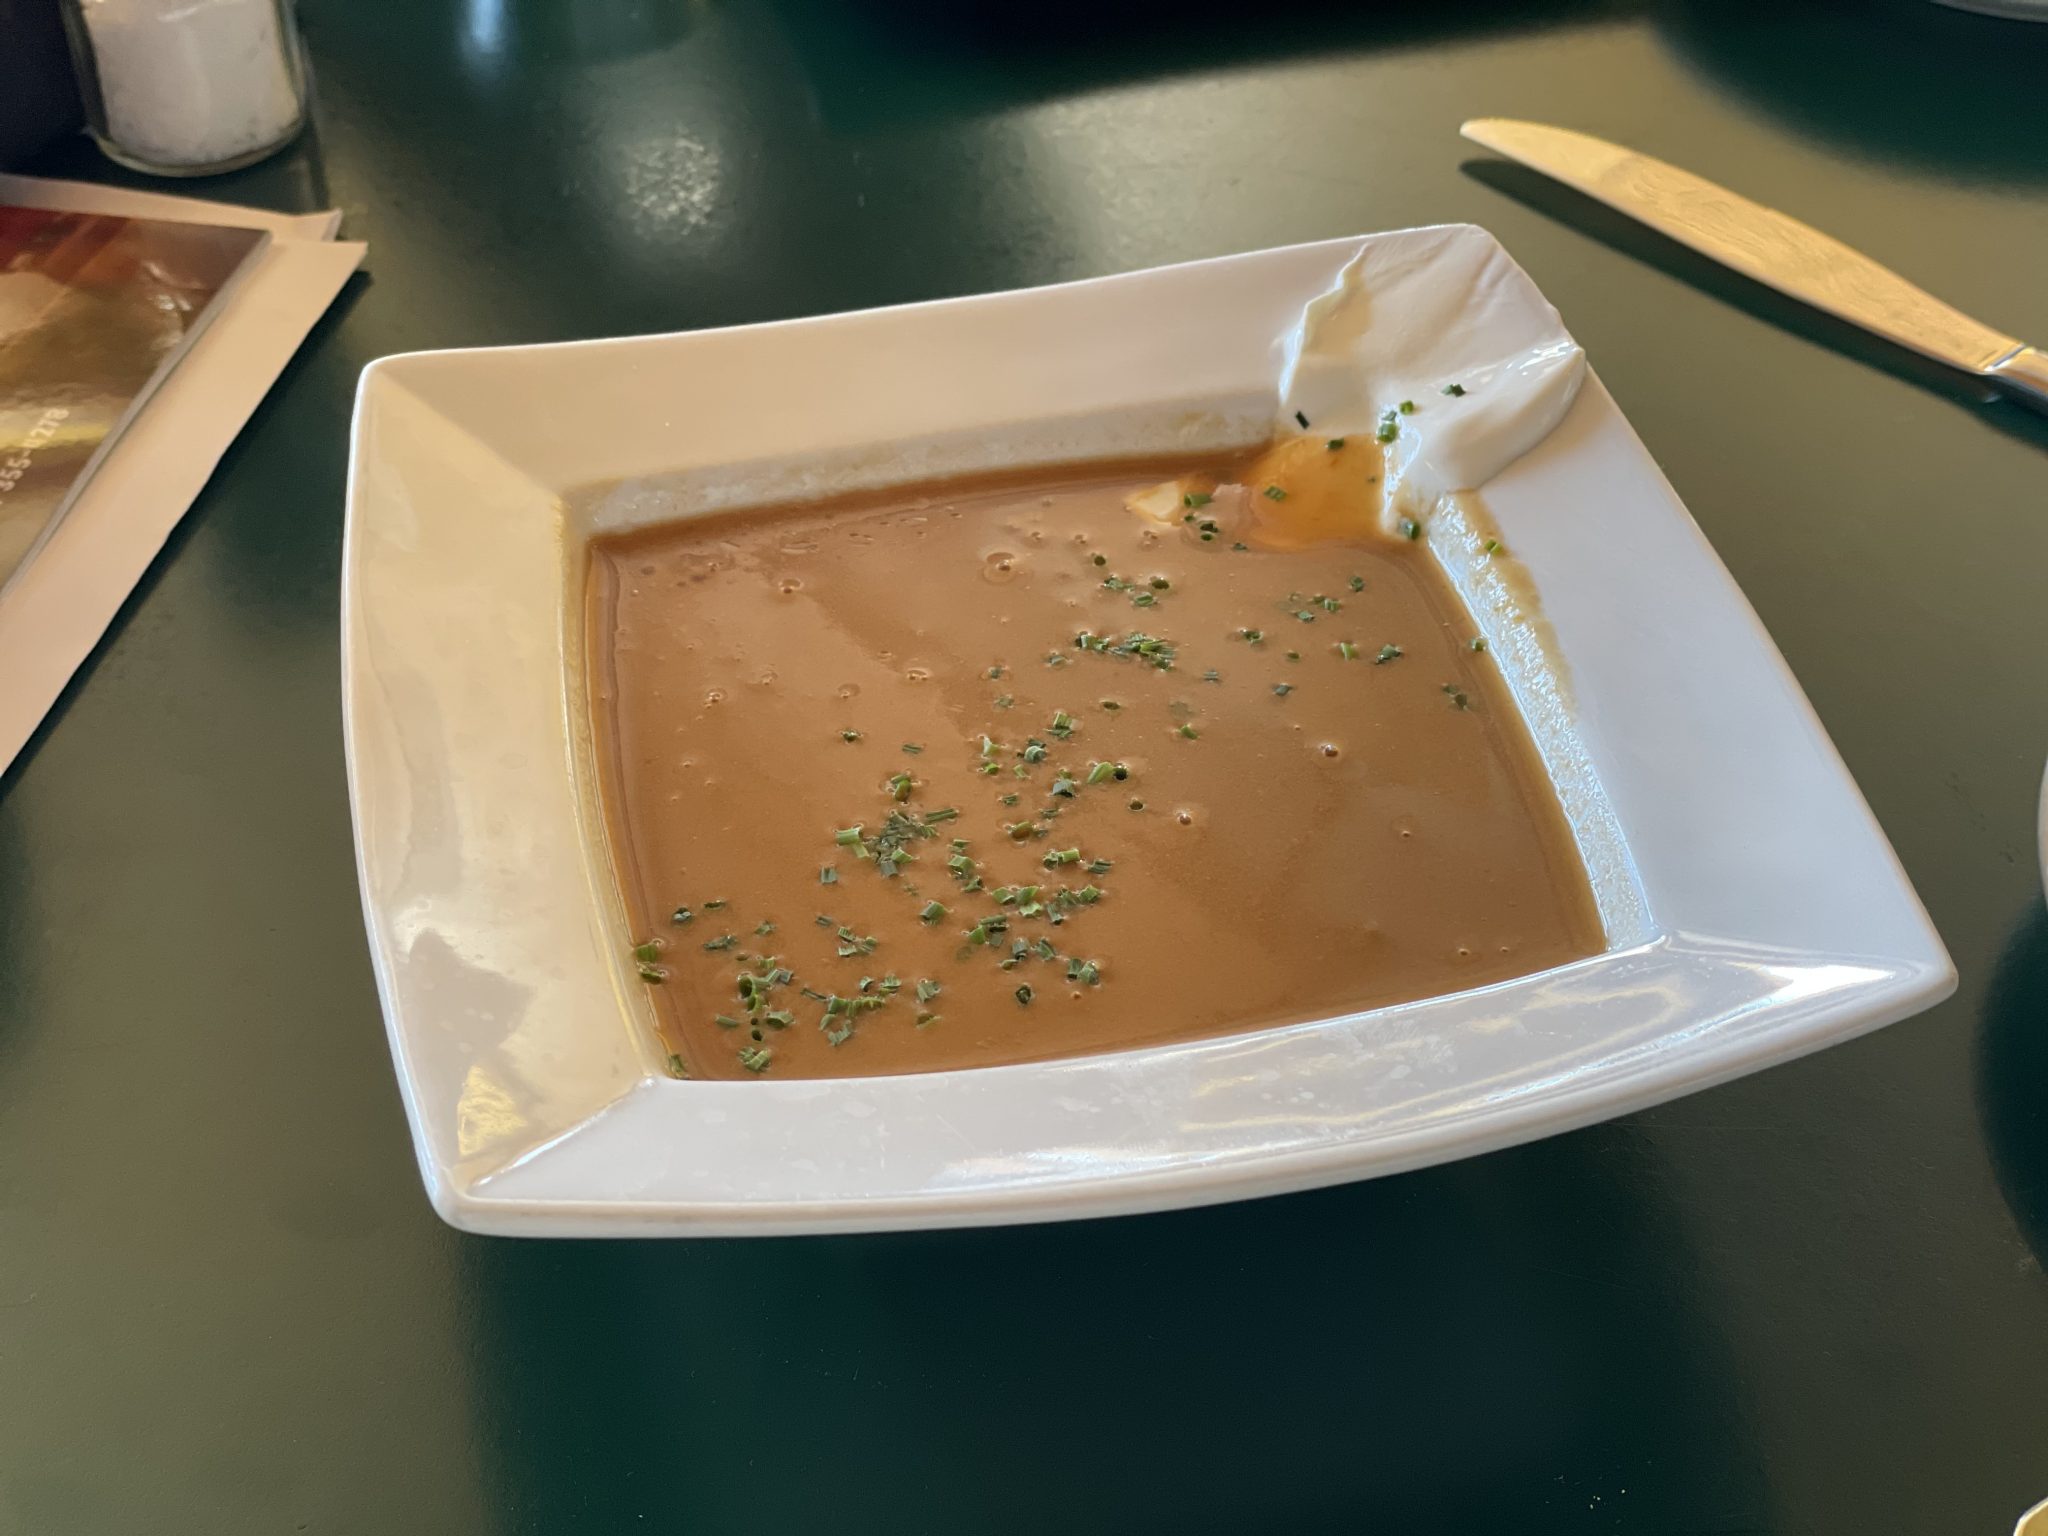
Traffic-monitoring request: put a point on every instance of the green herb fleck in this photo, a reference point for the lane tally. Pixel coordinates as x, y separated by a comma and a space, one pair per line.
849, 735
755, 1058
1389, 428
848, 837
900, 785
1283, 689
763, 930
1334, 444
912, 748
1196, 499
1188, 731
653, 974
680, 916
713, 906
726, 941
1410, 529
648, 952
1251, 636
1454, 389
1024, 994
1478, 643
1457, 696
932, 912
1347, 650
1407, 407
996, 671
1274, 493
1493, 546
1387, 653
1358, 583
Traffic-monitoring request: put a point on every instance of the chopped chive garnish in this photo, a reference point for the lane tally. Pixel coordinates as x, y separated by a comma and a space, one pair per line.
763, 930
1457, 696
1024, 994
1111, 704
680, 916
1410, 529
847, 837
676, 1066
827, 875
1062, 724
1478, 642
1358, 583
849, 735
1034, 751
1493, 546
900, 786
1097, 772
1241, 547
1212, 676
1188, 731
725, 1021
648, 952
943, 813
1329, 604
1303, 420
1197, 499
713, 906
1334, 444
778, 1018
1294, 655
1347, 650
755, 1058
933, 911
653, 973
1305, 616
912, 748
1251, 636
1161, 584
928, 989
996, 671
1454, 389
1063, 787
1387, 653
822, 920
1010, 799
1389, 428
1407, 407
1283, 689
1274, 493
724, 942
1056, 857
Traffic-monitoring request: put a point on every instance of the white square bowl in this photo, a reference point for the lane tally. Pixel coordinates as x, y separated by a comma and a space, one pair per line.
1754, 910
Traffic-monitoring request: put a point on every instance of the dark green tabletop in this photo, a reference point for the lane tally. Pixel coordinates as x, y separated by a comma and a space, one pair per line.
1812, 1301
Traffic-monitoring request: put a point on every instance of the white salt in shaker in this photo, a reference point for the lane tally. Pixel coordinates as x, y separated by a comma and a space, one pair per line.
188, 87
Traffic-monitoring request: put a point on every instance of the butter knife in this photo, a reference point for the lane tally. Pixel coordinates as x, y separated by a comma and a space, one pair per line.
1777, 251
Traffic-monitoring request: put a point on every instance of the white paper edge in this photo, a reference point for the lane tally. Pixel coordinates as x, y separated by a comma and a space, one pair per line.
88, 197
62, 602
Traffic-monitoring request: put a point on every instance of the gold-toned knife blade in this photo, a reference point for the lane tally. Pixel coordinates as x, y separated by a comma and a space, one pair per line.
1762, 243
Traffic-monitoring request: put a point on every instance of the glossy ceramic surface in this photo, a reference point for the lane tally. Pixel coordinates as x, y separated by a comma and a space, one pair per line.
1755, 912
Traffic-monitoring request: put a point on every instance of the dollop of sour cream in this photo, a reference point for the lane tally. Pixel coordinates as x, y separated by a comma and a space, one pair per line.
1433, 343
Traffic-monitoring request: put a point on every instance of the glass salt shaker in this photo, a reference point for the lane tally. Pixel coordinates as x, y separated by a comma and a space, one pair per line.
188, 87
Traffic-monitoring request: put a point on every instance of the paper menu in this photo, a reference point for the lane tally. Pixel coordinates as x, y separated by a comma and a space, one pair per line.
95, 310
59, 604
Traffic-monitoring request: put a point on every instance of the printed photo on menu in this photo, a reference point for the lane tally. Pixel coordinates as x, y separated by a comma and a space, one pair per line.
95, 312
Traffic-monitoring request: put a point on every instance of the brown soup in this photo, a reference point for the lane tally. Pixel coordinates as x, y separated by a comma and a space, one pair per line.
994, 771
